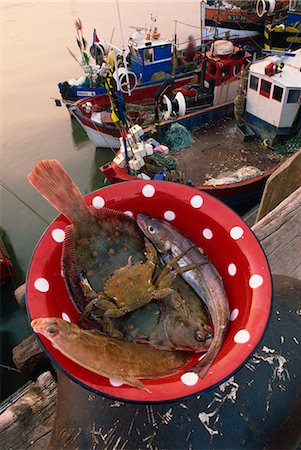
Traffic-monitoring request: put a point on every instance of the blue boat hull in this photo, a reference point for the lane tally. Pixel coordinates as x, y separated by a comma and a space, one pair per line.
268, 131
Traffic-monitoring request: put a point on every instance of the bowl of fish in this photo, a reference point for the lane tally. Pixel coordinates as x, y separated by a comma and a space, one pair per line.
145, 291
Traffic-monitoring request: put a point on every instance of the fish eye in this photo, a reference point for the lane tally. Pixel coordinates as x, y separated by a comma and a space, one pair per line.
151, 229
51, 330
199, 336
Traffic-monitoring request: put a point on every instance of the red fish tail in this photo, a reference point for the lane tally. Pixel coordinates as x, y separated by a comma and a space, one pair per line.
54, 184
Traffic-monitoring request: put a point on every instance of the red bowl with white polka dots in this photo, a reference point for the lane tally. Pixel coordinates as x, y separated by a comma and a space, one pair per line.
226, 240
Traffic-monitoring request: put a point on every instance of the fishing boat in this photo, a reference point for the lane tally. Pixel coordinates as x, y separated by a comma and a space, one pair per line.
206, 97
285, 33
272, 110
149, 61
241, 20
273, 96
240, 169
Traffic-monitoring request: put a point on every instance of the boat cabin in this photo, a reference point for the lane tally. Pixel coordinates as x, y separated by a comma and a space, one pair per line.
223, 65
274, 95
149, 55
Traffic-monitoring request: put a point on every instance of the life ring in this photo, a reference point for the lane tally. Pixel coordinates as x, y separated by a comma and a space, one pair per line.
181, 104
166, 107
122, 73
263, 7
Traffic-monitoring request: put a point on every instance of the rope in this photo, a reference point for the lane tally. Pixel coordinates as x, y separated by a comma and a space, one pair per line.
187, 24
22, 201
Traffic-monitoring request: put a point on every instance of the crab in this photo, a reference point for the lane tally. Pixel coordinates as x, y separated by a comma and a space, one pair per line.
131, 287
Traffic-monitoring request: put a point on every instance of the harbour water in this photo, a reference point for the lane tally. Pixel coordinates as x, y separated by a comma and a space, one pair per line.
34, 38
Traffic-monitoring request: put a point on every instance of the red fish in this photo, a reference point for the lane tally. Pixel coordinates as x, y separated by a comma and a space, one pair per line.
124, 361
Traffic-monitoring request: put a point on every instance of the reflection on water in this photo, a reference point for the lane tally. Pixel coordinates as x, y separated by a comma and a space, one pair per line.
79, 135
101, 157
12, 319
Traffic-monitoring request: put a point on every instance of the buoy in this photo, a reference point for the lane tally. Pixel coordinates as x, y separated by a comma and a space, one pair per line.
222, 48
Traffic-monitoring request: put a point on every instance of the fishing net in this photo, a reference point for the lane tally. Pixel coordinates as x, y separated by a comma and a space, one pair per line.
290, 146
177, 137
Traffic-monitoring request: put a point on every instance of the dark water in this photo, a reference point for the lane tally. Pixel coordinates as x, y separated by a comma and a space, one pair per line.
34, 59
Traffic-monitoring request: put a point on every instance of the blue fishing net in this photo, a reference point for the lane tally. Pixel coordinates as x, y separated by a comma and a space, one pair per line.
177, 137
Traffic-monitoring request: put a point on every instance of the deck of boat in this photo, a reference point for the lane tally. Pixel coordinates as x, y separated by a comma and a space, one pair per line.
218, 150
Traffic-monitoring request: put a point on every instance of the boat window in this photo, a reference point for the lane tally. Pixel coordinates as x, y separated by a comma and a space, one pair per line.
212, 69
148, 55
265, 88
225, 70
277, 93
293, 96
254, 82
135, 53
236, 69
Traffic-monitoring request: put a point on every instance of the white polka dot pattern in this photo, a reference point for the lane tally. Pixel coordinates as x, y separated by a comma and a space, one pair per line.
98, 202
169, 215
196, 201
234, 314
236, 233
58, 235
129, 213
148, 190
189, 378
115, 383
242, 337
66, 317
232, 269
41, 284
255, 281
207, 233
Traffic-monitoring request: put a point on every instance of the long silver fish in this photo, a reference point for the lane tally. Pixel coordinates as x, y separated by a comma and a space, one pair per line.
204, 279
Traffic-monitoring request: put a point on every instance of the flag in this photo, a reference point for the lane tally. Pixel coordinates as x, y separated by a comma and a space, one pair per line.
79, 44
78, 24
86, 57
95, 37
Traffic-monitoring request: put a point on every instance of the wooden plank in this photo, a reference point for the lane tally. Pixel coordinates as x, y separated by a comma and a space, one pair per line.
30, 358
27, 419
279, 232
283, 181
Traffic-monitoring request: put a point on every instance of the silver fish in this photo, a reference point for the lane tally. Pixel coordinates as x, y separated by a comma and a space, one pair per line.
204, 279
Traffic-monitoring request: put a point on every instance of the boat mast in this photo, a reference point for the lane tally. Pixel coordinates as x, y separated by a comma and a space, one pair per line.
202, 19
123, 51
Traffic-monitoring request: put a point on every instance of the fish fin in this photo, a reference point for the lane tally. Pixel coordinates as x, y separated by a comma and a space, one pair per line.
201, 369
71, 272
132, 381
54, 184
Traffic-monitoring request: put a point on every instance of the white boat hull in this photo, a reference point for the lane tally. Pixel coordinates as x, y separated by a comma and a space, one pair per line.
99, 139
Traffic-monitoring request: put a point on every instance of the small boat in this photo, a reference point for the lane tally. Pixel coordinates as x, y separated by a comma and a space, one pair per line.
217, 148
285, 33
241, 20
150, 59
206, 97
6, 265
273, 96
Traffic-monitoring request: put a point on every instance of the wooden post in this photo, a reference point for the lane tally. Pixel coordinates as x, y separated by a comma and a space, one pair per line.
283, 181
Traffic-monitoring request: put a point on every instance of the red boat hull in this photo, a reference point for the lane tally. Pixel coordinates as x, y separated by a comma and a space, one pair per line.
240, 196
